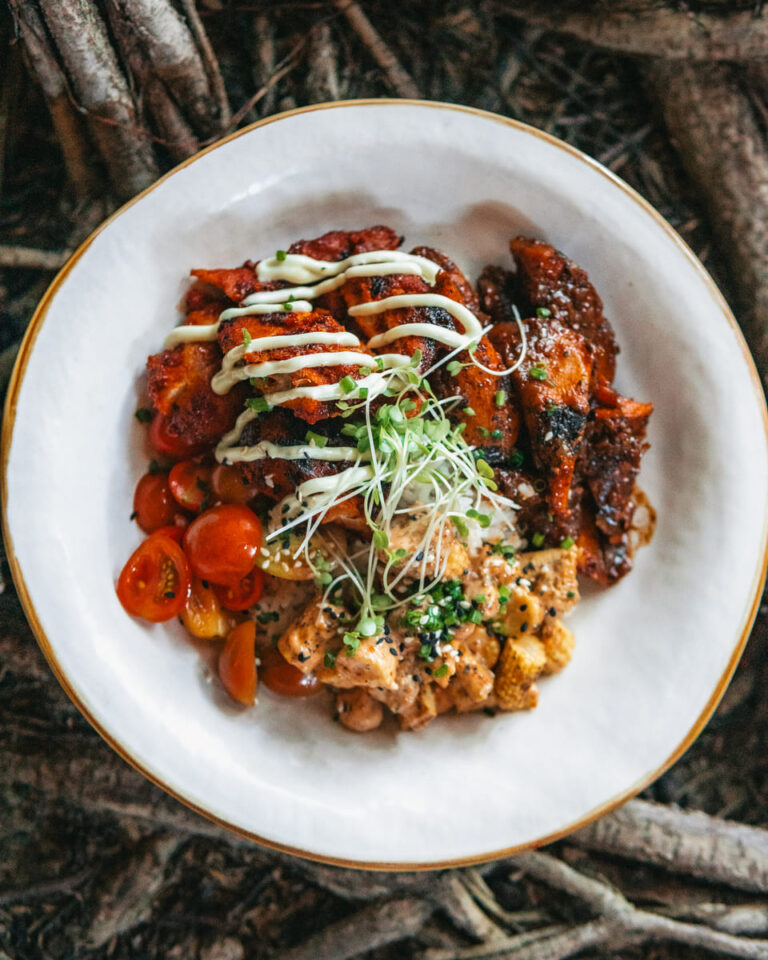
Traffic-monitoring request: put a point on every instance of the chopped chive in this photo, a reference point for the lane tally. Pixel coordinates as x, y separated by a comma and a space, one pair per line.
259, 404
496, 434
316, 439
503, 595
571, 594
537, 539
538, 372
543, 312
501, 398
287, 307
143, 415
280, 255
475, 616
379, 364
484, 432
363, 393
329, 659
247, 338
347, 384
516, 459
441, 670
567, 543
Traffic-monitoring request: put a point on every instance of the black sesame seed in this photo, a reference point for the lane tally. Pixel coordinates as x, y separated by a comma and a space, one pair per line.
380, 640
169, 595
419, 556
415, 678
428, 670
393, 651
523, 607
523, 627
552, 612
302, 657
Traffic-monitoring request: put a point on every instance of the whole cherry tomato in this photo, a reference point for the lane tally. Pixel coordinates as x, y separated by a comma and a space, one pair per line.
230, 486
169, 443
283, 678
175, 531
153, 505
190, 484
222, 544
244, 593
155, 582
237, 663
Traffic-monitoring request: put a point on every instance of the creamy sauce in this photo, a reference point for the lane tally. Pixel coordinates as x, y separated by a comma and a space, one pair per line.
312, 279
296, 268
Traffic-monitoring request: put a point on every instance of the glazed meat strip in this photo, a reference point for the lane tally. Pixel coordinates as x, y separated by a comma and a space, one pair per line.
467, 294
179, 385
547, 280
610, 461
552, 385
276, 324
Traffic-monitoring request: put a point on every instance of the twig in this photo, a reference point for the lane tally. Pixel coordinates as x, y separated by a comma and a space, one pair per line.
209, 59
374, 926
102, 91
641, 28
322, 77
67, 123
8, 98
175, 133
50, 888
175, 58
722, 147
748, 918
483, 894
124, 899
286, 65
31, 259
264, 60
621, 923
452, 896
398, 76
500, 949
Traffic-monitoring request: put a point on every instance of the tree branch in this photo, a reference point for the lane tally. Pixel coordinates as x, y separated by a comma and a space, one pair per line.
638, 27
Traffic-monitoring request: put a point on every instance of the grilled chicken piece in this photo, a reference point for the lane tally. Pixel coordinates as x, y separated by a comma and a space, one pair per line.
179, 385
468, 296
610, 462
340, 244
496, 289
547, 279
317, 629
276, 477
553, 387
275, 324
240, 282
237, 283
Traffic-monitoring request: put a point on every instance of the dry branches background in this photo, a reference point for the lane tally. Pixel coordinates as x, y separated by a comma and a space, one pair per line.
671, 96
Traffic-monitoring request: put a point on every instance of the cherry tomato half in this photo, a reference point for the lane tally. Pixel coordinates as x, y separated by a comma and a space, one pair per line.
237, 663
202, 614
241, 595
222, 544
168, 443
155, 582
283, 678
153, 505
230, 486
190, 484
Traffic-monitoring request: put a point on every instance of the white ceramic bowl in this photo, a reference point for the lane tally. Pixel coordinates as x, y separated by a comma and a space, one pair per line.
653, 654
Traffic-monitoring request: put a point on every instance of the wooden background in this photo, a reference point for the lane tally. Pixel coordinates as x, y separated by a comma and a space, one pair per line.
95, 861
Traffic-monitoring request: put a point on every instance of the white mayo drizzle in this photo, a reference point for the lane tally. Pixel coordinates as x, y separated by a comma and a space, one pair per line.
472, 327
196, 332
229, 374
313, 278
296, 268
